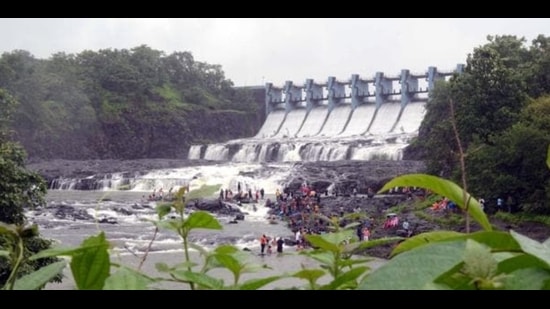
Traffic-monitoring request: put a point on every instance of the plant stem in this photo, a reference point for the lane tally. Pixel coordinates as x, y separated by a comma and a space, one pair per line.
465, 198
184, 234
20, 252
148, 248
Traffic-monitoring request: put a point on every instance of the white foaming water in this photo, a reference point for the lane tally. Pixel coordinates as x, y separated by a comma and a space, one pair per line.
292, 123
336, 120
271, 124
314, 122
251, 176
385, 118
194, 152
216, 152
385, 152
412, 117
360, 120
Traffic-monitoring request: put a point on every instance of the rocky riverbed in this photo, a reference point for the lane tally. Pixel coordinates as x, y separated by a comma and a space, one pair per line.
334, 180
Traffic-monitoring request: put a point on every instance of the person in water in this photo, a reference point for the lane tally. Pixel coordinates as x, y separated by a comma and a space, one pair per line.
280, 243
263, 243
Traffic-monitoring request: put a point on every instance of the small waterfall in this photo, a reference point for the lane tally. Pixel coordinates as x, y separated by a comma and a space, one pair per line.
194, 152
216, 152
247, 153
63, 184
385, 152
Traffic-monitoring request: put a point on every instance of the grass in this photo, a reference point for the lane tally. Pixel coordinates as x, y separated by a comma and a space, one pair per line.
445, 220
522, 217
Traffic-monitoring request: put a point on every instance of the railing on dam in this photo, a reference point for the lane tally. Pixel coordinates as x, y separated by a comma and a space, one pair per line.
379, 89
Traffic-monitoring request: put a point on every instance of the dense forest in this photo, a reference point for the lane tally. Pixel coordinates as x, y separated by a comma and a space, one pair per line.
124, 104
502, 114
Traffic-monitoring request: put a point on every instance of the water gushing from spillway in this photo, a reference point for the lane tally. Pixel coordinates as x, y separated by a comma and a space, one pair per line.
366, 132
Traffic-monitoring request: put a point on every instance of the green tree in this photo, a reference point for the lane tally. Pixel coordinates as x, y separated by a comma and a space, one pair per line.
511, 167
19, 188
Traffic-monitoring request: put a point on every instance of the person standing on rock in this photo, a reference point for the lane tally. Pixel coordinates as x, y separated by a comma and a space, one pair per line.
298, 239
366, 234
360, 232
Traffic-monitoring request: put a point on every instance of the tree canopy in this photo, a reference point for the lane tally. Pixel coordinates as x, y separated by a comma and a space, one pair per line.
121, 103
501, 109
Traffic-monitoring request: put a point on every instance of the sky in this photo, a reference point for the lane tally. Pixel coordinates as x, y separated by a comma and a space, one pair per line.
255, 51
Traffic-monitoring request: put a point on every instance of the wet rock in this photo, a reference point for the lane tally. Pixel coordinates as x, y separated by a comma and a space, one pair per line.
109, 220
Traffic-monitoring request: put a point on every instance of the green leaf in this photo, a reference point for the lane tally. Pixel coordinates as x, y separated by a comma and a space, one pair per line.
254, 284
359, 246
527, 279
533, 247
90, 266
4, 253
162, 267
202, 220
200, 249
202, 192
318, 241
548, 157
414, 269
171, 225
496, 240
127, 279
56, 252
324, 257
453, 279
478, 261
345, 278
338, 238
163, 210
503, 256
442, 187
309, 274
8, 229
201, 279
423, 239
230, 262
226, 249
39, 278
520, 261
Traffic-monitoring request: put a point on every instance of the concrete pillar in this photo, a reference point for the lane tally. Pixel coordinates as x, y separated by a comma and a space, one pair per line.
409, 87
273, 96
383, 88
359, 90
336, 92
314, 94
293, 96
433, 76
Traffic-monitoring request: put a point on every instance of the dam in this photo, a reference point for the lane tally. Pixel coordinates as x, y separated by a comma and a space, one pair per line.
356, 119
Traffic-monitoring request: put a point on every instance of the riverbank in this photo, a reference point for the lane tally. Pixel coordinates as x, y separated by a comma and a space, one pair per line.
272, 265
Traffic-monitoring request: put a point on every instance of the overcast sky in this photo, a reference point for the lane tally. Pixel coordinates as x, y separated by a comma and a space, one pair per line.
255, 51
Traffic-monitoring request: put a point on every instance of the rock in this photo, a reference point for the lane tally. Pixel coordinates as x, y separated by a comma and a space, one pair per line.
109, 220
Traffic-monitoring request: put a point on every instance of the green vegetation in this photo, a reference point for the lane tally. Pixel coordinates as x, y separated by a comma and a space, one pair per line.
123, 104
522, 218
19, 189
502, 113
